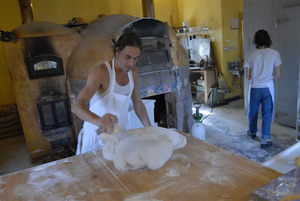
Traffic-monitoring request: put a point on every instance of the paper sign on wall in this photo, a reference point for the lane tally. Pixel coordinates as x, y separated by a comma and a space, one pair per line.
234, 23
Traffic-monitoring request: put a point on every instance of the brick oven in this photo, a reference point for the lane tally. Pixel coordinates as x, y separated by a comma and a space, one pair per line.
37, 61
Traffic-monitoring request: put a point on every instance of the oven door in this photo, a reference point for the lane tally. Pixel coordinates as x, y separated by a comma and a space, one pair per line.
155, 55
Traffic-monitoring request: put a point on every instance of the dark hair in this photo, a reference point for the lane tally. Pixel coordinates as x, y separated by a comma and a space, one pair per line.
128, 39
262, 38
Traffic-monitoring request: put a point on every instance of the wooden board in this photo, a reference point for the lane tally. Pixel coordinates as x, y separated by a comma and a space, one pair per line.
199, 171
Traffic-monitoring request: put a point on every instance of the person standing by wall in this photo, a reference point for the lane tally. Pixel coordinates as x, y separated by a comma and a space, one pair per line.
262, 68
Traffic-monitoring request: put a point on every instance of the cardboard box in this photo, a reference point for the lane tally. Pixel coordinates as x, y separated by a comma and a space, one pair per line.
134, 121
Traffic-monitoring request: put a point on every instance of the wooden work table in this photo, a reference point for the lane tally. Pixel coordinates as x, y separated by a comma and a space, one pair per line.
199, 171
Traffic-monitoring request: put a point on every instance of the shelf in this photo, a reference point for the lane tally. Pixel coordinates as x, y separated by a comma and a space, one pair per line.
208, 82
193, 33
199, 88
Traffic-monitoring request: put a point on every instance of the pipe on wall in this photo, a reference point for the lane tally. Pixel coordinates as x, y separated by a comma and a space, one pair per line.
27, 11
148, 8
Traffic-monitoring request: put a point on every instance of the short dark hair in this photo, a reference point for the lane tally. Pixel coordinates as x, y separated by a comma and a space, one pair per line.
262, 38
128, 39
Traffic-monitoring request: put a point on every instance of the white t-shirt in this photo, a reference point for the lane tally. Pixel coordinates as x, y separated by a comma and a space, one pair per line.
262, 63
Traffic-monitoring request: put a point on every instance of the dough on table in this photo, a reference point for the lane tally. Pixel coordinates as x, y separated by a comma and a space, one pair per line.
133, 149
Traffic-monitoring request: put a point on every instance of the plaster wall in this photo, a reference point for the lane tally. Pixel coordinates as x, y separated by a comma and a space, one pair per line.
89, 10
231, 43
8, 21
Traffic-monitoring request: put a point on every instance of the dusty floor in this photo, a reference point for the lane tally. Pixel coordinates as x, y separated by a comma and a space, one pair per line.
14, 155
225, 127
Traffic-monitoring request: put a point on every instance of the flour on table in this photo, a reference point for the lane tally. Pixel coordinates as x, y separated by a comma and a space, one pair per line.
139, 199
147, 196
173, 173
149, 147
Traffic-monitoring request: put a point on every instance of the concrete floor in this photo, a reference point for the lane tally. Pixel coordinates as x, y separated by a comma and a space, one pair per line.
14, 155
225, 127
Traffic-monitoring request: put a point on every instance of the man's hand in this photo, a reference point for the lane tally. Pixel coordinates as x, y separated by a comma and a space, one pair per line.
107, 122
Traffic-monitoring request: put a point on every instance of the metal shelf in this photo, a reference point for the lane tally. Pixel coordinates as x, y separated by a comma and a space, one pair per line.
194, 32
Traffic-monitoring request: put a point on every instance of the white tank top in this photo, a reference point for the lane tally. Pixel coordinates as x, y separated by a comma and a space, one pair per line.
110, 101
107, 102
124, 90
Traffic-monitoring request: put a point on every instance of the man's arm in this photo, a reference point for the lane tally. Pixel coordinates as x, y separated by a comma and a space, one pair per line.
138, 105
277, 72
95, 80
248, 73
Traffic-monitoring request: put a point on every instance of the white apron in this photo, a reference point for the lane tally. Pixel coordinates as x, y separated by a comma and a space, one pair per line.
100, 104
272, 91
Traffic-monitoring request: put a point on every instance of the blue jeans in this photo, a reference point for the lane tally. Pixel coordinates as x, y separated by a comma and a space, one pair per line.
260, 96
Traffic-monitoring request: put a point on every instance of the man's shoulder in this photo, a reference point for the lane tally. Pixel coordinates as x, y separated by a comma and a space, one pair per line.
252, 52
273, 53
272, 50
266, 50
104, 65
100, 69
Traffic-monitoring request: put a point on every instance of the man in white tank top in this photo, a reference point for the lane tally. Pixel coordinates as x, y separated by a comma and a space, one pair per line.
109, 89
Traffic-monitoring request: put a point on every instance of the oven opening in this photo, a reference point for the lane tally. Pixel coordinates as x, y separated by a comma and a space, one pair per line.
159, 110
53, 113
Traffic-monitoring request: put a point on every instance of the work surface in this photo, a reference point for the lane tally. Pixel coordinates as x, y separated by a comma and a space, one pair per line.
199, 171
